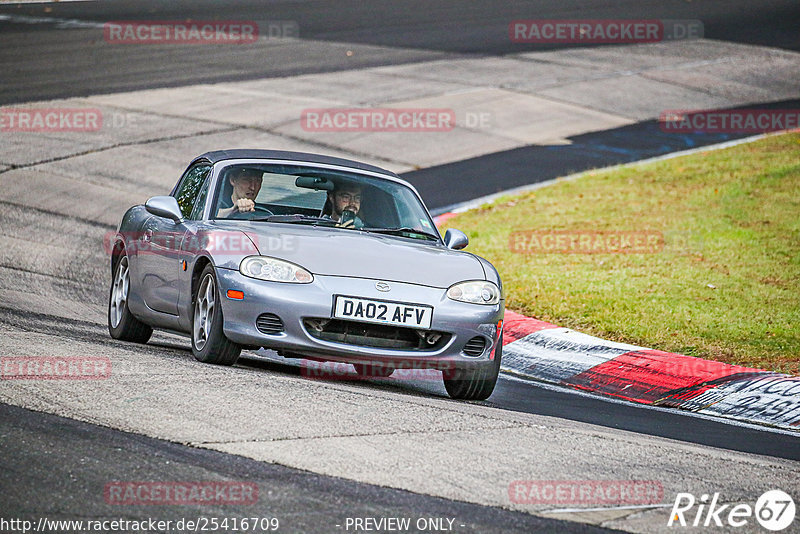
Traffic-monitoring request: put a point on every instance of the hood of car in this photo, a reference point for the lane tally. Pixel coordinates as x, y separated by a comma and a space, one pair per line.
337, 252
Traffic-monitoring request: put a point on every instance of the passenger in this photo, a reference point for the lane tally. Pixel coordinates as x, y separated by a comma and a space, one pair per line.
344, 204
246, 184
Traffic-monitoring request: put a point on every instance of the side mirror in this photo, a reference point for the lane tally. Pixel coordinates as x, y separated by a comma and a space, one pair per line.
455, 239
164, 206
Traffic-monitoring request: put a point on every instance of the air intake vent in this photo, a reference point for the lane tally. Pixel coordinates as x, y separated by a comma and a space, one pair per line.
475, 346
375, 335
269, 323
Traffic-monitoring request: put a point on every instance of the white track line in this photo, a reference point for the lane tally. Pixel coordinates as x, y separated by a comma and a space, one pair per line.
3, 2
60, 23
579, 510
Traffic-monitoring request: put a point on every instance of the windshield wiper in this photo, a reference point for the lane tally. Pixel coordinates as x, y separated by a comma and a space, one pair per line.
402, 230
297, 219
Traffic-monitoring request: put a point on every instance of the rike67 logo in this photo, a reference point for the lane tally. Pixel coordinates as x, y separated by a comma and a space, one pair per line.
774, 510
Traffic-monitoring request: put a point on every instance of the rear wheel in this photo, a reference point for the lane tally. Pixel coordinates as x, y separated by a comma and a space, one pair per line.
467, 383
373, 370
209, 344
122, 324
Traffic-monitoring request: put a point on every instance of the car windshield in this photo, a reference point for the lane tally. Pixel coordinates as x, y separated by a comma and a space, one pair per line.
297, 194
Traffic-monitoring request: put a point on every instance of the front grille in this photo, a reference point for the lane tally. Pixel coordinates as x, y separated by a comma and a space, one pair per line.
475, 346
269, 323
375, 335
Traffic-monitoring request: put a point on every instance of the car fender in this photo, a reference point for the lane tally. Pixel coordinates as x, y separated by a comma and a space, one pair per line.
490, 272
127, 235
207, 246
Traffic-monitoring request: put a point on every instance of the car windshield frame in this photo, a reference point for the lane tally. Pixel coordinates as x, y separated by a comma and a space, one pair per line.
364, 176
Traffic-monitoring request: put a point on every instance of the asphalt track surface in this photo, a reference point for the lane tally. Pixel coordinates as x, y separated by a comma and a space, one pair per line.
529, 397
301, 501
56, 467
36, 63
512, 168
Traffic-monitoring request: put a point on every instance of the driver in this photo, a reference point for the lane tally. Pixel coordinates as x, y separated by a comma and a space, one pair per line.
246, 184
345, 203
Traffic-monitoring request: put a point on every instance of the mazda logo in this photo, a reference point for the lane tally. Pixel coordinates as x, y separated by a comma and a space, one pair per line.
383, 286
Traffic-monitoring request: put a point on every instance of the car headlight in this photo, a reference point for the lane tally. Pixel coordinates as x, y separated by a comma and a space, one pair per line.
475, 292
274, 270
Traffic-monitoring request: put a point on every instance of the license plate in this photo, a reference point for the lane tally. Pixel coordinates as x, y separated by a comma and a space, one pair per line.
383, 312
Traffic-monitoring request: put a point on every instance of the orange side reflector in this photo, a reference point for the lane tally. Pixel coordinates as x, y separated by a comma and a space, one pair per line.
499, 330
234, 294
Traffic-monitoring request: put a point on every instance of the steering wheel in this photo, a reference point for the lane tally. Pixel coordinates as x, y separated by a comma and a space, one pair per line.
246, 214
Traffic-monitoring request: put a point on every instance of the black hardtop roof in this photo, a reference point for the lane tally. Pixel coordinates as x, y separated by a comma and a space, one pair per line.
246, 153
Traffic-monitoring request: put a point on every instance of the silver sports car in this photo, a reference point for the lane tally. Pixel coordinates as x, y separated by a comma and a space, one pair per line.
314, 257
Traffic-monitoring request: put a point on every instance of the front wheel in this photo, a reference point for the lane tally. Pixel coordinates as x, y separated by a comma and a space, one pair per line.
466, 383
122, 324
209, 344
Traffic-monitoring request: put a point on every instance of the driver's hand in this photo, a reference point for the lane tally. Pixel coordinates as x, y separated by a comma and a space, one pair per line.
244, 205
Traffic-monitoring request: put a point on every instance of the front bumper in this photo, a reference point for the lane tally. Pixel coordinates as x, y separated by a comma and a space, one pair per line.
295, 302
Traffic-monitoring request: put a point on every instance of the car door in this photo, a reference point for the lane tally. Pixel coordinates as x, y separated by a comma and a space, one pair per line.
160, 266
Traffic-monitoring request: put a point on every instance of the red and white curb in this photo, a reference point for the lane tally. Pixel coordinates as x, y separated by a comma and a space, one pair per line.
543, 351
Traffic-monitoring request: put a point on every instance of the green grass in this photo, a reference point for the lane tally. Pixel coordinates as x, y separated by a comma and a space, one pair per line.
729, 219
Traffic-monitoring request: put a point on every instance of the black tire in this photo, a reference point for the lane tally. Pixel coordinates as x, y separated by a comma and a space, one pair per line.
373, 370
209, 344
474, 383
122, 324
